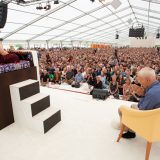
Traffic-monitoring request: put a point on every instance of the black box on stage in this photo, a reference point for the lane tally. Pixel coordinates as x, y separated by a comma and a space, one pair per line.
100, 94
3, 14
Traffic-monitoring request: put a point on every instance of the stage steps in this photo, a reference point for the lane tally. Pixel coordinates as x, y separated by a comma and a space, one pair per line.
32, 108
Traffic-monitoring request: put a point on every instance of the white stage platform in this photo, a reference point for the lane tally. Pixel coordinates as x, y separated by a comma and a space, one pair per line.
85, 133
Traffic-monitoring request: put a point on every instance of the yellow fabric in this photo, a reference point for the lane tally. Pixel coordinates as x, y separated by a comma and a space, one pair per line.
144, 123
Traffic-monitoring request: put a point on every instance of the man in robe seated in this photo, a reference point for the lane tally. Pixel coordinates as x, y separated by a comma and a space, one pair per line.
151, 98
5, 57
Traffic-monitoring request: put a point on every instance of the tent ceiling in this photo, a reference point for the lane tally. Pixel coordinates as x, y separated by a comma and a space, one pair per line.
80, 20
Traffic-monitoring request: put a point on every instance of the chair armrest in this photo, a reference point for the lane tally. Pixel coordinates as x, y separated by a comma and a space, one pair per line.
144, 123
138, 113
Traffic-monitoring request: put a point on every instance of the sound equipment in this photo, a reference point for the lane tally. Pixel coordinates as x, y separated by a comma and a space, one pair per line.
117, 36
100, 94
3, 14
76, 85
158, 35
136, 32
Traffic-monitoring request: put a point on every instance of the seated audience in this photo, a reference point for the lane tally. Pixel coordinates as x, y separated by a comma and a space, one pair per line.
121, 82
78, 80
69, 75
90, 80
127, 90
44, 78
57, 76
113, 87
98, 83
51, 77
105, 82
63, 76
103, 63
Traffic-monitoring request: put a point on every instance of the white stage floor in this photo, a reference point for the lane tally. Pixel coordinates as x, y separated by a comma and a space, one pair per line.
85, 133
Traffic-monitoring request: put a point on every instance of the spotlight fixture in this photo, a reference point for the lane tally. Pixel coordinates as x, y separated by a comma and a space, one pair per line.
117, 36
158, 35
48, 6
92, 0
39, 7
56, 2
29, 2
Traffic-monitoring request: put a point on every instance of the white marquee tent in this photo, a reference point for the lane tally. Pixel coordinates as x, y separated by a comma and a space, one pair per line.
79, 22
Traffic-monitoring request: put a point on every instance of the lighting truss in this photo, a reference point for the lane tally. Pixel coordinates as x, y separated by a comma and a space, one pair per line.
26, 2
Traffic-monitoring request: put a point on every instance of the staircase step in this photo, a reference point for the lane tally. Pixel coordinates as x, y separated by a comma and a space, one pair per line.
27, 88
52, 121
24, 83
49, 117
38, 102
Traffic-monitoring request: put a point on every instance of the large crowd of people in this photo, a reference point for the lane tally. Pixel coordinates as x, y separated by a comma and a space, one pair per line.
112, 69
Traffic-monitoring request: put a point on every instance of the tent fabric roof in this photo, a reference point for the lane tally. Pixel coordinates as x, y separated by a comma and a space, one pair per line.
81, 20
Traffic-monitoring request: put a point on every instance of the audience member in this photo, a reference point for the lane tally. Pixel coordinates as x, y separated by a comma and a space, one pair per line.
44, 78
113, 87
69, 75
127, 90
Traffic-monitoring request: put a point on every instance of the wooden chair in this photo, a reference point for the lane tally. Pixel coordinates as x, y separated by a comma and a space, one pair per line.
144, 123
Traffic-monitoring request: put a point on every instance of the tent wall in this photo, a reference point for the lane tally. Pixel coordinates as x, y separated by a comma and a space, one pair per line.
149, 42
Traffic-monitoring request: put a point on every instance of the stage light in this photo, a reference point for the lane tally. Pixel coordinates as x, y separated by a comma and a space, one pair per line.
117, 35
47, 7
20, 1
56, 2
31, 2
158, 34
39, 7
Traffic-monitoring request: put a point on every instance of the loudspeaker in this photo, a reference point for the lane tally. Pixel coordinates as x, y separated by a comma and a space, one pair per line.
100, 94
158, 35
117, 36
3, 14
138, 32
